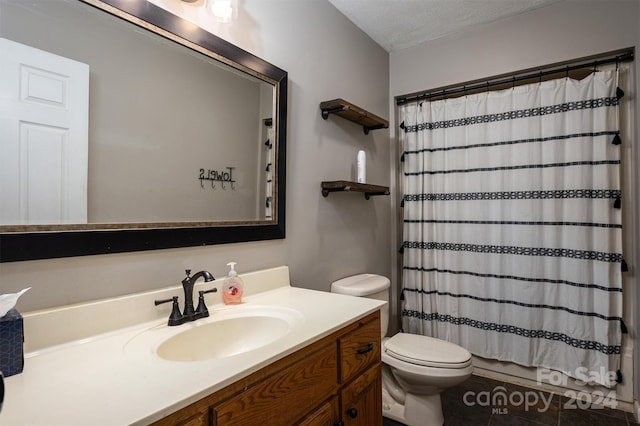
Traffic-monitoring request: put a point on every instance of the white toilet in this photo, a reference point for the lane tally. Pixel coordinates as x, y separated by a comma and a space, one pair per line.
415, 368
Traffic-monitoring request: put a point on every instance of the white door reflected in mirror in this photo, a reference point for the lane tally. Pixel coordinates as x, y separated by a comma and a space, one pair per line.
44, 110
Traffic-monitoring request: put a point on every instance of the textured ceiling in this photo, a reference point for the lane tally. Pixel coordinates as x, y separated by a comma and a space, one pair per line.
399, 24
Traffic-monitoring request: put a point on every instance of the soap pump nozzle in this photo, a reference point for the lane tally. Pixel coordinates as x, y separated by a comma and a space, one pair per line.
232, 271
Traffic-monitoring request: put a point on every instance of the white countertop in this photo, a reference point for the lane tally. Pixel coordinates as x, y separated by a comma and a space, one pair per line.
104, 380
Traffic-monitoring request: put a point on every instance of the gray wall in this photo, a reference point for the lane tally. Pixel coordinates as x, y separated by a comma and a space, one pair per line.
326, 57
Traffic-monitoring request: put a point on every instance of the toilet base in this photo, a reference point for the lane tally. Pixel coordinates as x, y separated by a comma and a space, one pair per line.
418, 410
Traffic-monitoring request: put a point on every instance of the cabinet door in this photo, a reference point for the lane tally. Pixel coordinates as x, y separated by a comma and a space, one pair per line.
285, 397
326, 415
361, 400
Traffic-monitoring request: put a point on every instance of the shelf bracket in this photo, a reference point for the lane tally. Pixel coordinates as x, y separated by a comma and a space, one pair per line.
368, 128
325, 112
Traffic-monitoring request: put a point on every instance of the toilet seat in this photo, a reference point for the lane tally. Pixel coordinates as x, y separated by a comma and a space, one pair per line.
427, 351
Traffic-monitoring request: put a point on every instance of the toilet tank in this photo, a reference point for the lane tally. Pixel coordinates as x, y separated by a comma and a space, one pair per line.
367, 285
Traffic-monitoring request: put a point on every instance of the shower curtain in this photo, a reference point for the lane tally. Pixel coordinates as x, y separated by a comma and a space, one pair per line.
512, 224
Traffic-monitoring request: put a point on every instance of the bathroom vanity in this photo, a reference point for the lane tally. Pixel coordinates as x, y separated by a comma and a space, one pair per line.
336, 379
287, 355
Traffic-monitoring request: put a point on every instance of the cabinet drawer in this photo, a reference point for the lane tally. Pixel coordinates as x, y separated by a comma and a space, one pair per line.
360, 347
284, 397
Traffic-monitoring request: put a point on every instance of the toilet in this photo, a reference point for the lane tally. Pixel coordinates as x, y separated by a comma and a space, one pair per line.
415, 369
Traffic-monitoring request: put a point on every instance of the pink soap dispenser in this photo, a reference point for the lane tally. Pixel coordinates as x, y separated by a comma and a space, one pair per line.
233, 287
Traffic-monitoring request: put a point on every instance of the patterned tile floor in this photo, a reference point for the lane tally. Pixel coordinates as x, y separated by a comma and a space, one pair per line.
551, 410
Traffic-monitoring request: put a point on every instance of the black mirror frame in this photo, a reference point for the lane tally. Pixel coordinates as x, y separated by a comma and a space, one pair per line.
21, 246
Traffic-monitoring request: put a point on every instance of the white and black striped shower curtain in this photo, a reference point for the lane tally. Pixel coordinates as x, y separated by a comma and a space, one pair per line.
512, 226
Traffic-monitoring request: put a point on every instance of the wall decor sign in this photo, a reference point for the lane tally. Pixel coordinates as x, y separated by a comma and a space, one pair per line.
217, 176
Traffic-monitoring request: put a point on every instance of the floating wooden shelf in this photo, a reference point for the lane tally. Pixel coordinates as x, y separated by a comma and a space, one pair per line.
350, 112
343, 185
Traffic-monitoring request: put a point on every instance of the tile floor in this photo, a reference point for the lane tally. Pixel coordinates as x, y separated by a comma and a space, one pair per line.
560, 411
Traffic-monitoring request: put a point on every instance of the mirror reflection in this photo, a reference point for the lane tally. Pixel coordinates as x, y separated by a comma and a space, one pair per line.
103, 122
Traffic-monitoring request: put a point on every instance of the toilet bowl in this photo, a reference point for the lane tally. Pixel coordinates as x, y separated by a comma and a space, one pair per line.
416, 369
422, 367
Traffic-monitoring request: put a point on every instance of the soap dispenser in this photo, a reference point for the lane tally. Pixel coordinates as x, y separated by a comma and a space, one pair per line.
233, 287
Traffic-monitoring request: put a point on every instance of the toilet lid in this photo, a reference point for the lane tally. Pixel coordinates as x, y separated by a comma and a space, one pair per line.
427, 351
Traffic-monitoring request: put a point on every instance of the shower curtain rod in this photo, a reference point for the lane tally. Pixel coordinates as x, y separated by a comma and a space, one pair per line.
481, 85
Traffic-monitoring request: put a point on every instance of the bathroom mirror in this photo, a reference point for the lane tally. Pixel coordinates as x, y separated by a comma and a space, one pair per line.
185, 141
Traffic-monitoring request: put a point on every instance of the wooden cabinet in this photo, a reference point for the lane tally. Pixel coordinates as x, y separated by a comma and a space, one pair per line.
335, 381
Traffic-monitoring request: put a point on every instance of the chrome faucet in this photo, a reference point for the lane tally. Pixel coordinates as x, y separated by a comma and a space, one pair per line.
189, 313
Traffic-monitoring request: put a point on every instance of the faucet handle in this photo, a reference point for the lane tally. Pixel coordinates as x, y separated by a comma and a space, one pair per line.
201, 310
160, 302
176, 317
188, 272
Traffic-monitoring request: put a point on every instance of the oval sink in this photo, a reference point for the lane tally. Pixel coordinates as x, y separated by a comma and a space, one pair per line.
228, 332
223, 338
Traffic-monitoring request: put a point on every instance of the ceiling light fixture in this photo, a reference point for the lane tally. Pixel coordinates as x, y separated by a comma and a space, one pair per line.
222, 10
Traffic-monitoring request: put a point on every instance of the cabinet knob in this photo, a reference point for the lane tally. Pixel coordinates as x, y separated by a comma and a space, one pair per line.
339, 423
352, 412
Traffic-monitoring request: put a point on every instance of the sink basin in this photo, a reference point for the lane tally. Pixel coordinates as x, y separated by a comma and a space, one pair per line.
223, 338
228, 332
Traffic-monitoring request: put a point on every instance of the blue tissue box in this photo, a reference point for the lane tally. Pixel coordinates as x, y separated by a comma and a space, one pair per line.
11, 343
